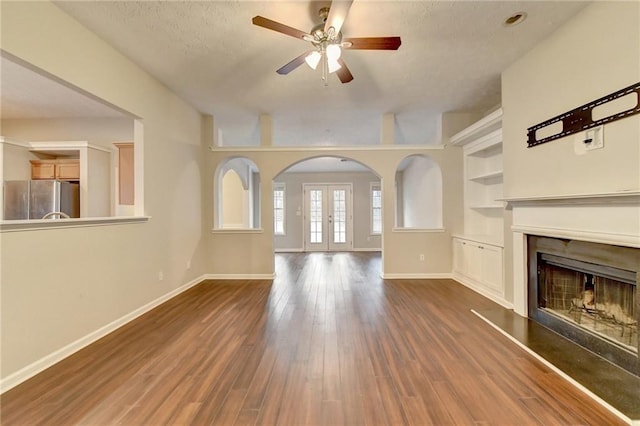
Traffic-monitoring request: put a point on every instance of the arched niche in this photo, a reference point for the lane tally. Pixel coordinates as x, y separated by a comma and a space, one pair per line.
237, 194
418, 184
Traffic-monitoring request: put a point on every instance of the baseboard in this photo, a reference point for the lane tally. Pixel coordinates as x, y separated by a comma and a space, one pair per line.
42, 364
428, 276
470, 285
367, 249
289, 250
239, 276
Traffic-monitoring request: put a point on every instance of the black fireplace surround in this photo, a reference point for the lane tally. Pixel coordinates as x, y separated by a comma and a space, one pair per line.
588, 293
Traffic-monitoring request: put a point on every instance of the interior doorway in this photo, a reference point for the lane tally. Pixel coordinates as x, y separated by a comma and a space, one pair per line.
328, 221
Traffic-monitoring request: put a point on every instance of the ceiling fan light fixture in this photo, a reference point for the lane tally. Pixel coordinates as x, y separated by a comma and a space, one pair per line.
333, 52
313, 59
333, 65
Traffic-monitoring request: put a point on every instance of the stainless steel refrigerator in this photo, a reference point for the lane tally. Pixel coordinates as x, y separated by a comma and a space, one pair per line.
34, 199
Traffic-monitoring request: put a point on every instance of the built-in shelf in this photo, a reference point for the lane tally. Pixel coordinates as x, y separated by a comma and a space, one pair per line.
486, 206
478, 251
481, 145
487, 176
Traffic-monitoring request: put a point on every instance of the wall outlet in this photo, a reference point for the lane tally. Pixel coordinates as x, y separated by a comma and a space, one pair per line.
422, 258
160, 276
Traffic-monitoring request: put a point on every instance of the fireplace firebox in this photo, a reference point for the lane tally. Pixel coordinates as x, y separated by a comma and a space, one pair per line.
588, 292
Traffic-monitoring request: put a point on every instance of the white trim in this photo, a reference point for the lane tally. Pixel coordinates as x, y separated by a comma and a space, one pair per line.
15, 143
82, 222
237, 231
465, 281
325, 149
433, 230
417, 276
559, 372
483, 239
574, 198
64, 146
579, 234
239, 276
372, 249
288, 250
47, 361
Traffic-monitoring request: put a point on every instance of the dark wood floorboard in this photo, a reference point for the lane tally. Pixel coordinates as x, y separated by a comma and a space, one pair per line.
326, 343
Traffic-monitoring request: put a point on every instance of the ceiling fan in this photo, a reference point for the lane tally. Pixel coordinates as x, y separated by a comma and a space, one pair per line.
327, 42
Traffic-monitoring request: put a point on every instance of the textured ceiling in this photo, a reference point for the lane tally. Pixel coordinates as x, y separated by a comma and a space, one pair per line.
208, 52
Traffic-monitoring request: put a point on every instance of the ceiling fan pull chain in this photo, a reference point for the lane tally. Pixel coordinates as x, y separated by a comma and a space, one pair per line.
325, 69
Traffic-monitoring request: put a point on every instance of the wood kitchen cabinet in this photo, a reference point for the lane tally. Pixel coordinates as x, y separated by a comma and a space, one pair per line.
62, 169
126, 177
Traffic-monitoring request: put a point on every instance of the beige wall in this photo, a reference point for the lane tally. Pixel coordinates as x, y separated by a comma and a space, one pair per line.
235, 202
362, 238
98, 185
97, 131
594, 54
251, 254
15, 163
96, 275
420, 194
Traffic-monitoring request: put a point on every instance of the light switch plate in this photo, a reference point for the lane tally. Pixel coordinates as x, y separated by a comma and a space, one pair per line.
596, 135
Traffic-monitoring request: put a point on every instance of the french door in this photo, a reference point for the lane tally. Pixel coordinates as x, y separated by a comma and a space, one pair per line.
328, 223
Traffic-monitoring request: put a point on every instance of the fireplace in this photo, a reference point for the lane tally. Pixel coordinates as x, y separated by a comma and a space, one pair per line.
587, 292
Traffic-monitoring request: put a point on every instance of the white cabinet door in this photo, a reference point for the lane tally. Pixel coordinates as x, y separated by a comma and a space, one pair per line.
472, 260
492, 268
481, 263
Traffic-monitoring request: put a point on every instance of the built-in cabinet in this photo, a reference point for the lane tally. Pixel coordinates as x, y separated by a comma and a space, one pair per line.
478, 250
62, 169
480, 265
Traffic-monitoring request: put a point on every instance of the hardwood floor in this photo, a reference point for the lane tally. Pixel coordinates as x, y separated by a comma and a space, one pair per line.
328, 342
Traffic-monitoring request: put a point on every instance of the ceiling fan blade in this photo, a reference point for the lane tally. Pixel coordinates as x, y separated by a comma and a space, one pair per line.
261, 21
338, 12
373, 43
343, 73
286, 69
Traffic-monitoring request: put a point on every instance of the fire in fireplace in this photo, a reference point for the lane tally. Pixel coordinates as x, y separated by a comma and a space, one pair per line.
589, 293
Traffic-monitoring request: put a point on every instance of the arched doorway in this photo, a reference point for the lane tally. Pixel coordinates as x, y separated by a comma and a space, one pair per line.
325, 204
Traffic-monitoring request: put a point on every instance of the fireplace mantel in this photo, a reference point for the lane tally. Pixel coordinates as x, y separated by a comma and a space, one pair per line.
608, 218
584, 198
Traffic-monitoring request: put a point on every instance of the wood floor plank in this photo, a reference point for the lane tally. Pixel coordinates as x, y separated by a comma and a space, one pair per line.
327, 342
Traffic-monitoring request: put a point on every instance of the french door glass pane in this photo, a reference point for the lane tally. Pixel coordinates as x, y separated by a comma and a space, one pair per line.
339, 216
316, 216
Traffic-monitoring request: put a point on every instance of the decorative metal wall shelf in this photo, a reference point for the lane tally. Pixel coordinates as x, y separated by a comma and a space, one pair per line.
581, 118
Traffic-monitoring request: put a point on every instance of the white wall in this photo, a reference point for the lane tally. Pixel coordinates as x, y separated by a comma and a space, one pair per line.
97, 275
